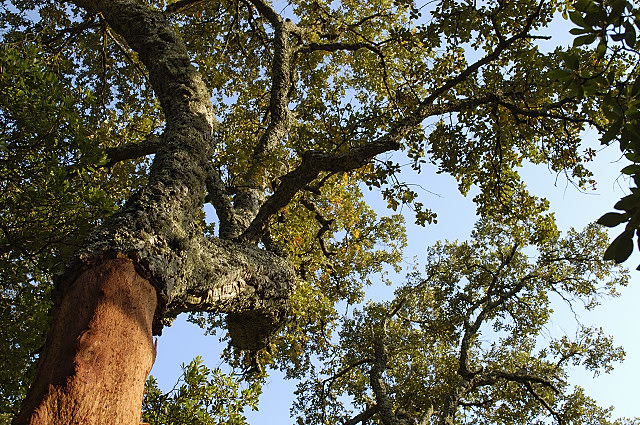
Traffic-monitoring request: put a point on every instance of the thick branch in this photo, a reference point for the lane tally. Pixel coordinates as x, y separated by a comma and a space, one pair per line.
521, 378
379, 386
248, 202
281, 72
218, 197
148, 146
546, 112
251, 285
364, 416
312, 164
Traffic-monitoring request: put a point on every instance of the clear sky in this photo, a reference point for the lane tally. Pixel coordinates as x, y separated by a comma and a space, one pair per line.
456, 216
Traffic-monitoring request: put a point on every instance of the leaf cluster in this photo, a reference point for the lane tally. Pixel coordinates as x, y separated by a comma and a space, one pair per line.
468, 340
614, 25
203, 397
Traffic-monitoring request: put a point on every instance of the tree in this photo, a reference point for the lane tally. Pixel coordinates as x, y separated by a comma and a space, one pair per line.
469, 340
277, 120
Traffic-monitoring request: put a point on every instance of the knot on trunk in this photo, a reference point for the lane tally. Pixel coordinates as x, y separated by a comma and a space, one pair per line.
252, 330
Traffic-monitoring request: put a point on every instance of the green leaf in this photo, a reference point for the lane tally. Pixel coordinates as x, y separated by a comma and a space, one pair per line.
595, 18
621, 247
631, 169
584, 39
612, 219
585, 5
630, 35
578, 31
617, 8
571, 61
577, 18
560, 74
628, 203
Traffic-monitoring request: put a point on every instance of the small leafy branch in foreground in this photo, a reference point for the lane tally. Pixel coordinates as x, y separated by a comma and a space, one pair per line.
205, 397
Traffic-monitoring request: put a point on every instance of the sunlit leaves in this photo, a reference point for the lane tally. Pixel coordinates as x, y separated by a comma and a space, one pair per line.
483, 306
205, 397
357, 247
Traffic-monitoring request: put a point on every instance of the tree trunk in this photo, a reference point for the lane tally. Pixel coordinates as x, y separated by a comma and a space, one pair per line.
99, 350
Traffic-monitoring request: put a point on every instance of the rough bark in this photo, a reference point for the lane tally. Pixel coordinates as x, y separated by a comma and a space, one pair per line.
99, 351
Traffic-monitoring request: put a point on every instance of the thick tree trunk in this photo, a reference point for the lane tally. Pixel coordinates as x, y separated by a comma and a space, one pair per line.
99, 350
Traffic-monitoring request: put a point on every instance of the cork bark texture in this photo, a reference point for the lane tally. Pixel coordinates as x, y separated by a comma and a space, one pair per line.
99, 352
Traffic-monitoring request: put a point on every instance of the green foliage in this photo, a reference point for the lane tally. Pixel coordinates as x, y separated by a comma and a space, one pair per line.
614, 82
462, 86
204, 397
468, 340
53, 193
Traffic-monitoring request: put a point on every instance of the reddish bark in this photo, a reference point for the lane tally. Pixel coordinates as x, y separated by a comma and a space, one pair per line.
99, 350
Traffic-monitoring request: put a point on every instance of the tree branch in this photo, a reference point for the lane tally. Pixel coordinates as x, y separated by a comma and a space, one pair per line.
218, 197
126, 53
149, 146
544, 403
251, 285
281, 83
312, 164
73, 30
364, 416
347, 370
379, 386
325, 226
334, 47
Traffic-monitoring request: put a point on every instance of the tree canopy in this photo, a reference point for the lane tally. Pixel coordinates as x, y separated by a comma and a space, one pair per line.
124, 121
